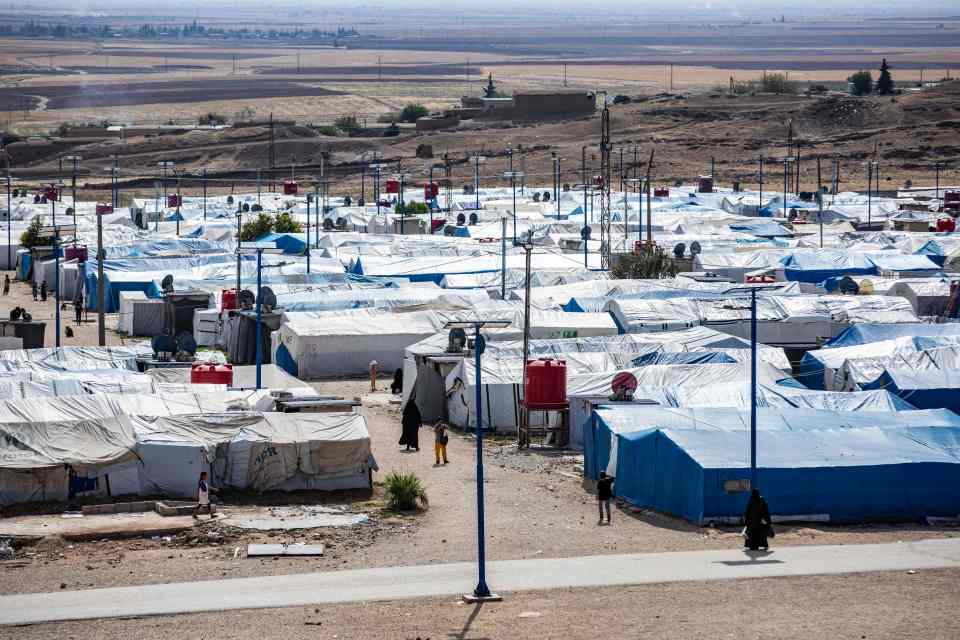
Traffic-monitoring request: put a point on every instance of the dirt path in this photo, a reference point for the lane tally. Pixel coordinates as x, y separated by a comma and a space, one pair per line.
874, 606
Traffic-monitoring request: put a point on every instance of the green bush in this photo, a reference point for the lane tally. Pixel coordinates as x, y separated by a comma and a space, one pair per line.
284, 223
256, 228
777, 83
861, 83
31, 237
327, 130
405, 491
412, 112
212, 119
347, 124
649, 264
412, 208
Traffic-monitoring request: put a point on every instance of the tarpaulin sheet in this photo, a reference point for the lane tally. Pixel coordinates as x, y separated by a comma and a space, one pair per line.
865, 332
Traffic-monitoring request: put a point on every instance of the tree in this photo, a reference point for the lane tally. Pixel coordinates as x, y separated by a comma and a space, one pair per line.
777, 83
885, 81
257, 228
861, 83
284, 223
413, 112
31, 237
347, 124
650, 264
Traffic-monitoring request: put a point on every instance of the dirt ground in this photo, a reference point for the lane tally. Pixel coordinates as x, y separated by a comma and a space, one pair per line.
535, 508
849, 607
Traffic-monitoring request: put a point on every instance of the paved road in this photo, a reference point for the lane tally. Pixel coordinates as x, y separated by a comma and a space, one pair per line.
397, 583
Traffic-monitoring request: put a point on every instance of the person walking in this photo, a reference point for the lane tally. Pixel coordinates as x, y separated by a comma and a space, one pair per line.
396, 387
758, 525
78, 307
33, 287
411, 422
440, 439
373, 375
203, 496
604, 495
43, 291
6, 284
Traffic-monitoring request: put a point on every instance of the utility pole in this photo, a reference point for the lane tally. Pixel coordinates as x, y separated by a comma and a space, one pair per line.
564, 74
585, 233
649, 206
820, 201
606, 241
503, 257
272, 152
760, 206
937, 166
73, 183
204, 173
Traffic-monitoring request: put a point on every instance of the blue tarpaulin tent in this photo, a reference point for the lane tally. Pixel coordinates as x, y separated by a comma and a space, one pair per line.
682, 357
817, 266
863, 333
926, 389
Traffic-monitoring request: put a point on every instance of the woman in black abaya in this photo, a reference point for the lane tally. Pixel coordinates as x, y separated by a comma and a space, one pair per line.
757, 521
411, 426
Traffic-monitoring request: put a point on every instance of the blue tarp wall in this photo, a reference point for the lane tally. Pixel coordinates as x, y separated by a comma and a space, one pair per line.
864, 333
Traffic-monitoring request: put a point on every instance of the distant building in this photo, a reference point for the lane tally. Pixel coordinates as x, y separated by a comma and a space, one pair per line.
530, 105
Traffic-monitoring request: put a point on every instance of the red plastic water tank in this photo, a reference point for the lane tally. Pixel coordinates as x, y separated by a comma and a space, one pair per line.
289, 187
228, 299
393, 186
546, 383
438, 223
75, 253
430, 190
661, 192
598, 181
946, 225
209, 373
51, 192
173, 200
104, 208
705, 184
951, 200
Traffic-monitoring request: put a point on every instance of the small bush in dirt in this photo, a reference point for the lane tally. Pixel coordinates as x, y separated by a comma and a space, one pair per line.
347, 124
777, 83
327, 130
861, 83
412, 112
212, 119
404, 491
649, 264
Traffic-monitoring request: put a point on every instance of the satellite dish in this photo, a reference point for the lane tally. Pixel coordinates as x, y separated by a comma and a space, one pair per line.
341, 223
268, 300
26, 316
246, 299
347, 200
456, 340
245, 207
695, 248
327, 224
69, 211
255, 208
166, 285
536, 196
229, 199
474, 219
623, 385
679, 249
461, 219
545, 197
585, 233
186, 343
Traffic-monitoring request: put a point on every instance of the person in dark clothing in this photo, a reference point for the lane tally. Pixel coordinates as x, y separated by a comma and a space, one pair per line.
757, 521
411, 422
33, 287
604, 495
78, 307
397, 385
43, 290
6, 285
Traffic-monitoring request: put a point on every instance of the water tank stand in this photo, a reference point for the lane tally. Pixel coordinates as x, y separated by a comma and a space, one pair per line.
560, 433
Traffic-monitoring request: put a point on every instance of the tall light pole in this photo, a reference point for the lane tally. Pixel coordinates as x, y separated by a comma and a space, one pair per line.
556, 181
638, 182
513, 175
74, 162
258, 248
6, 157
165, 165
482, 592
937, 166
55, 231
786, 176
760, 206
871, 167
476, 178
402, 178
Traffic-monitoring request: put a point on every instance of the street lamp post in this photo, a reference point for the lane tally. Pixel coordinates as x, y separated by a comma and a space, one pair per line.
871, 168
482, 592
786, 173
476, 179
626, 216
54, 231
164, 166
74, 161
259, 248
938, 166
309, 199
513, 175
402, 178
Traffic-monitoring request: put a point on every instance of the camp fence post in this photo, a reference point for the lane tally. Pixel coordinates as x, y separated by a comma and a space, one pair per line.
259, 346
482, 590
503, 257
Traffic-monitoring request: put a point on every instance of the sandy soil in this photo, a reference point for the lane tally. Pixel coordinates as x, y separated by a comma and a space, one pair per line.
864, 606
535, 506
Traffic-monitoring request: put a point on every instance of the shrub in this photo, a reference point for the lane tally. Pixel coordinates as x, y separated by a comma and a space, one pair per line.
818, 88
284, 223
212, 119
256, 228
412, 112
777, 83
412, 208
861, 83
405, 491
648, 264
347, 124
327, 130
31, 237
